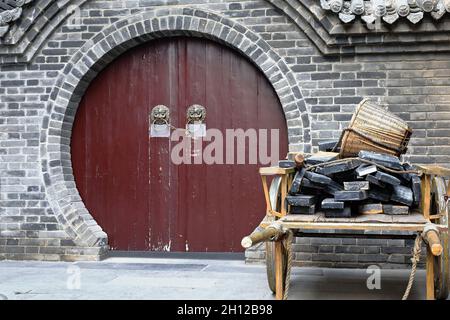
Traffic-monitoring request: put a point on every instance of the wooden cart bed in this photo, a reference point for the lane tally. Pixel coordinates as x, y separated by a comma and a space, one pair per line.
378, 222
433, 213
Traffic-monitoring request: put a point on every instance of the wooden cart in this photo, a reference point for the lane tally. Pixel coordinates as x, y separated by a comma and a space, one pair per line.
431, 222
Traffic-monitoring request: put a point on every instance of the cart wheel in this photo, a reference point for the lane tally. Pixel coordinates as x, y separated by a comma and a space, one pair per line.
441, 265
274, 194
270, 264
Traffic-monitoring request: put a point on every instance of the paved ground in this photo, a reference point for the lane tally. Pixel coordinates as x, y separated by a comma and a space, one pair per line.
151, 278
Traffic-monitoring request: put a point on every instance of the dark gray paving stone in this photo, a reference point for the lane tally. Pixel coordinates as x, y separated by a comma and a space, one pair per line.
371, 208
333, 187
408, 167
303, 210
311, 185
373, 180
331, 203
348, 165
379, 194
339, 213
318, 178
382, 159
387, 178
286, 164
351, 195
356, 185
321, 158
297, 182
416, 183
365, 169
403, 195
395, 210
301, 200
327, 145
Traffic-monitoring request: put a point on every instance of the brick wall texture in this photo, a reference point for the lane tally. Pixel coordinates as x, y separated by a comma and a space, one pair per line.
46, 63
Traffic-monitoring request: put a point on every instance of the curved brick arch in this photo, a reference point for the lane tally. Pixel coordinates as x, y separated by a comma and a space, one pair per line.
110, 43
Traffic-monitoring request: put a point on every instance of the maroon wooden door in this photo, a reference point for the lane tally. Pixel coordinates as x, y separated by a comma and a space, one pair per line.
127, 180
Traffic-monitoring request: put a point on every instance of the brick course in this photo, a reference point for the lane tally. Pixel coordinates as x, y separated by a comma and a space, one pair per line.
46, 63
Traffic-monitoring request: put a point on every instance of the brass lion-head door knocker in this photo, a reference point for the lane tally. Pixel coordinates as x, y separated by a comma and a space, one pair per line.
196, 114
160, 122
196, 121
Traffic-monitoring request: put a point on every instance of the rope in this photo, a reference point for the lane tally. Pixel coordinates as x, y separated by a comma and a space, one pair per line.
415, 260
288, 247
338, 144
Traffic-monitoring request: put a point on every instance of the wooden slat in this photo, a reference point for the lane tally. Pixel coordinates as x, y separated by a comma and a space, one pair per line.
284, 186
357, 226
266, 193
433, 240
426, 196
275, 214
414, 218
414, 222
435, 170
448, 189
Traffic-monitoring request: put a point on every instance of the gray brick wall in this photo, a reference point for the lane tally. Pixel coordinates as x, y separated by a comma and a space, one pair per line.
346, 252
46, 65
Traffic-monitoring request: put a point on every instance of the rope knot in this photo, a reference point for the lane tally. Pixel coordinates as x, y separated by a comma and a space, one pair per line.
415, 260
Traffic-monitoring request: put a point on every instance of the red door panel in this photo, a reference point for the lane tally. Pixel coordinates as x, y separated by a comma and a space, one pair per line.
127, 179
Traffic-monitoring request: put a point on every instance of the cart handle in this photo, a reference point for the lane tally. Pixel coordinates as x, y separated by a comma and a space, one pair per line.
272, 232
434, 170
432, 238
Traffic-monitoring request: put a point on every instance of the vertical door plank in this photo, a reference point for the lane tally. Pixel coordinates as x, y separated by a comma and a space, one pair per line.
193, 193
162, 88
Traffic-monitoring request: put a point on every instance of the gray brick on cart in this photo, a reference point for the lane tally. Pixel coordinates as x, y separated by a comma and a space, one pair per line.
351, 195
395, 209
385, 160
356, 185
301, 200
331, 203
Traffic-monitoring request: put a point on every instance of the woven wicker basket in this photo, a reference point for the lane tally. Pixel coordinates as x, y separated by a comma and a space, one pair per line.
373, 128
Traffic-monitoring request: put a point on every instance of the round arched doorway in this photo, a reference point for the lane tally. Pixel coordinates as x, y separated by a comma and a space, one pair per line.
128, 180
